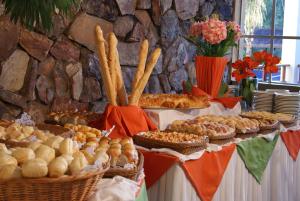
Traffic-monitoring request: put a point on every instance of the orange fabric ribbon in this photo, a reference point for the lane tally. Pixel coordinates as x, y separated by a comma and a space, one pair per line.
128, 121
155, 165
228, 102
291, 140
206, 173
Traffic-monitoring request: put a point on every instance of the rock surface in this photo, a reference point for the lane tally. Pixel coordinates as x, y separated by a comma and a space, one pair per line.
61, 81
106, 9
45, 88
65, 50
143, 4
123, 25
176, 79
37, 45
14, 71
82, 30
129, 53
13, 98
46, 66
186, 9
127, 7
9, 37
37, 111
28, 89
170, 29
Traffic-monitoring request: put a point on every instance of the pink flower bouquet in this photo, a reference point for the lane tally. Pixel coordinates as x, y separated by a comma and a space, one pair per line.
214, 37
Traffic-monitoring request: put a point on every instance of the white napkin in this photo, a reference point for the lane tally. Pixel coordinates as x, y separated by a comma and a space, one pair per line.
115, 189
269, 137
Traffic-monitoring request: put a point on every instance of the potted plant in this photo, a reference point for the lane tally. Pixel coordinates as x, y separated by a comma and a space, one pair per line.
244, 75
213, 39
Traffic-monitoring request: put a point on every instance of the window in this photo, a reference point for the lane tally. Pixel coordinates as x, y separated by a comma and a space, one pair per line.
272, 25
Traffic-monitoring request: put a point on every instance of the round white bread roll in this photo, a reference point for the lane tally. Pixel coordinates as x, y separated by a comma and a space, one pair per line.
58, 167
10, 171
35, 168
46, 153
23, 154
66, 146
6, 159
79, 162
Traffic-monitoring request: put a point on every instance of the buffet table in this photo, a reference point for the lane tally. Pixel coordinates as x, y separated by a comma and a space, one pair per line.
279, 181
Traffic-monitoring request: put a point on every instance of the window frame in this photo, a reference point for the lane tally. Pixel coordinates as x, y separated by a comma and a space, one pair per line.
237, 17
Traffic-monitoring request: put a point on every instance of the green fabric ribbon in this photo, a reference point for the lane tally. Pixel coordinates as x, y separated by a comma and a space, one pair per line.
143, 194
256, 154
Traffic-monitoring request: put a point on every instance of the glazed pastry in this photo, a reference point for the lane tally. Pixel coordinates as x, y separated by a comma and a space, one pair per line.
4, 149
114, 153
58, 167
89, 156
23, 154
46, 153
35, 168
10, 171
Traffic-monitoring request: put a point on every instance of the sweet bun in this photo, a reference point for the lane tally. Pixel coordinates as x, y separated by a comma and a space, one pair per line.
6, 159
58, 167
46, 153
10, 171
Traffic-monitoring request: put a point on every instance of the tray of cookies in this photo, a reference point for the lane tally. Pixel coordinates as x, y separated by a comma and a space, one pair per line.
184, 143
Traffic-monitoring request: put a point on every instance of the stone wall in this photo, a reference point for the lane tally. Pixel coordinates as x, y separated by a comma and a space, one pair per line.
59, 70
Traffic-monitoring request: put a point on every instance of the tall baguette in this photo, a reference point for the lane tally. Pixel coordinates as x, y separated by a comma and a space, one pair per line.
141, 66
121, 90
104, 70
113, 42
135, 96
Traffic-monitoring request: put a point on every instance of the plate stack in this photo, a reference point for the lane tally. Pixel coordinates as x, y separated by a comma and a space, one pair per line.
288, 103
262, 101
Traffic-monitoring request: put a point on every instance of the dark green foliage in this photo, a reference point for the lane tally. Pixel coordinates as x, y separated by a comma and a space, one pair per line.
32, 13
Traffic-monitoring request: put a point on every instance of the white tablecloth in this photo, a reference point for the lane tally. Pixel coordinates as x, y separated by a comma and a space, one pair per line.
281, 181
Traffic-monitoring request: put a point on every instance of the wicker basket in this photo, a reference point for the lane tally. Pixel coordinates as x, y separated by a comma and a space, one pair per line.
246, 135
56, 130
130, 174
184, 148
68, 188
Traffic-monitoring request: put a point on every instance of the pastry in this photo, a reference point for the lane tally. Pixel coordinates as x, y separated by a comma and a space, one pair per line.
58, 167
10, 171
66, 146
45, 152
23, 154
6, 159
79, 163
173, 101
35, 168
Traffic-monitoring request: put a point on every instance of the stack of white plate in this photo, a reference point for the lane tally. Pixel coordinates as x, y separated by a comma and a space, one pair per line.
288, 103
262, 101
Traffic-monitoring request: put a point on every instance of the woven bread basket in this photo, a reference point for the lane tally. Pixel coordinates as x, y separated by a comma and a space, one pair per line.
184, 147
130, 174
66, 188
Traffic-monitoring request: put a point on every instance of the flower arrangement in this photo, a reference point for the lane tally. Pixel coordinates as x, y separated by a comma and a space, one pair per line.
244, 68
214, 37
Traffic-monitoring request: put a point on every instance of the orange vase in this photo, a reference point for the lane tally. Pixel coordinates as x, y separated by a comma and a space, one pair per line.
209, 73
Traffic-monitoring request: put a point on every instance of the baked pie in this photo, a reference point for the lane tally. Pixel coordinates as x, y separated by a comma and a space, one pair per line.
283, 118
183, 101
173, 137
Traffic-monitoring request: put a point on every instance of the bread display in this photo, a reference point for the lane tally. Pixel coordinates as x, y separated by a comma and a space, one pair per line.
182, 101
241, 125
69, 117
184, 143
111, 71
84, 134
283, 118
205, 128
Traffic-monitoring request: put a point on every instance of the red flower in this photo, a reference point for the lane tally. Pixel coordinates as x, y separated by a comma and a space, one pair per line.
244, 68
268, 60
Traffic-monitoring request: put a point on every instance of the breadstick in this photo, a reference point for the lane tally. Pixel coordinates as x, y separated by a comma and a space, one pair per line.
113, 42
135, 96
121, 90
141, 66
104, 70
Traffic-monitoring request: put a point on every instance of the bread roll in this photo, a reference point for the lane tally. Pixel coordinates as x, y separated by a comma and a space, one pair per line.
3, 133
58, 167
101, 157
27, 130
23, 154
46, 153
66, 146
89, 156
68, 158
40, 135
34, 145
79, 163
35, 168
54, 142
4, 149
6, 159
10, 171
